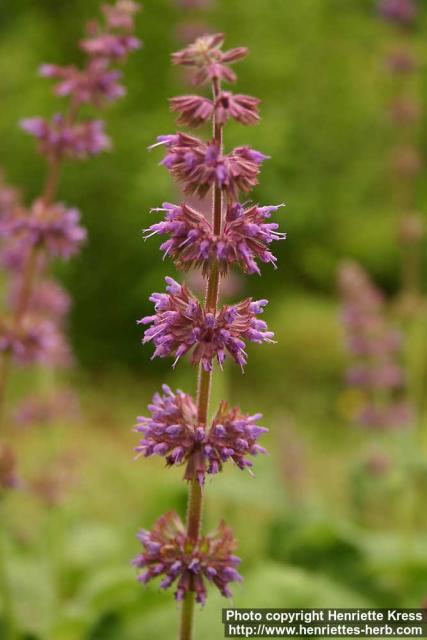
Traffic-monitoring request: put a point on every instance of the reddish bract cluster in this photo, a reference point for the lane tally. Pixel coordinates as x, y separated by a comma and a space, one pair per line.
196, 110
208, 60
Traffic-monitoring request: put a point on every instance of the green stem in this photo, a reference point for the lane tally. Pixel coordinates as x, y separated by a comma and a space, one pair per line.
195, 498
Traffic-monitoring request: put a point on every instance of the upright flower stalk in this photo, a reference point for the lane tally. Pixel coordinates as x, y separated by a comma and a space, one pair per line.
405, 114
179, 428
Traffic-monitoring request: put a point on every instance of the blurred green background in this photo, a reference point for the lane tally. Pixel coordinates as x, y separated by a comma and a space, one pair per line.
317, 527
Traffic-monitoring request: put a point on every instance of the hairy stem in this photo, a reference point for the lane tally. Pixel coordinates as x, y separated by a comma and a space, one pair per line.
195, 498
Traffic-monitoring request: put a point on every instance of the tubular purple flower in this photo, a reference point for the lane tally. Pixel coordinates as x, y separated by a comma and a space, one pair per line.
167, 551
199, 165
181, 325
245, 237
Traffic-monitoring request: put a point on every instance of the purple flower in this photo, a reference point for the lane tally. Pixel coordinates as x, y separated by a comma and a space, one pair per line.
399, 11
246, 237
36, 410
58, 138
182, 325
386, 416
47, 298
196, 110
174, 432
199, 165
210, 62
121, 15
376, 349
168, 552
52, 227
95, 84
110, 45
34, 340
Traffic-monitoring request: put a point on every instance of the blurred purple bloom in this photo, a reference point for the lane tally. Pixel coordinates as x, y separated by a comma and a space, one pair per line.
110, 45
386, 416
376, 348
406, 162
402, 12
181, 325
34, 340
95, 84
47, 298
404, 111
62, 405
174, 432
58, 138
167, 551
401, 61
8, 474
51, 227
121, 16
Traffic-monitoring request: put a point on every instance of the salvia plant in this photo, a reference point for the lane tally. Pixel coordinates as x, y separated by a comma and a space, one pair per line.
178, 427
35, 236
